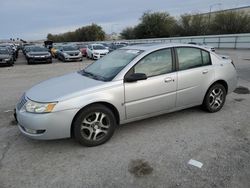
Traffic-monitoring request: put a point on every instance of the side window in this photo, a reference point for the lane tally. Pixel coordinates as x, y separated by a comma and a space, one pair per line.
206, 58
156, 63
189, 58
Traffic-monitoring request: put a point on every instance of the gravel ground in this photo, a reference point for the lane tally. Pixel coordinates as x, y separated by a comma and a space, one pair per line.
149, 153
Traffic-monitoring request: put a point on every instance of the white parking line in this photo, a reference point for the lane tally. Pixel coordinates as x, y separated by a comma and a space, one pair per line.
195, 163
6, 111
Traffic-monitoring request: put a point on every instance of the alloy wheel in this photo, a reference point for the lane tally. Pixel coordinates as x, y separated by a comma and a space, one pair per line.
216, 98
95, 126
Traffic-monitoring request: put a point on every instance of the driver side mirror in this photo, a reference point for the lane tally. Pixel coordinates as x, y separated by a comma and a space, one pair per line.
135, 77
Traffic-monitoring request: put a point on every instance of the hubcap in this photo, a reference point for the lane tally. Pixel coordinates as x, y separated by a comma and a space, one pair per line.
216, 98
95, 126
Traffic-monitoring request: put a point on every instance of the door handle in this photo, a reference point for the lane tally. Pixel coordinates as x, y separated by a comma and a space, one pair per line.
205, 72
168, 79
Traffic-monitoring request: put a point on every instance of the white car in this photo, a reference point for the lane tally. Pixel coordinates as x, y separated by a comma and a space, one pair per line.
96, 51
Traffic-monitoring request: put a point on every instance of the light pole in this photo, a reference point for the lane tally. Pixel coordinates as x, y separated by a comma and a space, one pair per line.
112, 29
210, 9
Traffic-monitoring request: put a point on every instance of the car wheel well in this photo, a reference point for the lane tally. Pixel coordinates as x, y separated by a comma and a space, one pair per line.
222, 82
108, 105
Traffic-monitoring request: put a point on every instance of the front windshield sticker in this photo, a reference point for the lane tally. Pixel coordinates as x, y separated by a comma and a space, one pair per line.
133, 51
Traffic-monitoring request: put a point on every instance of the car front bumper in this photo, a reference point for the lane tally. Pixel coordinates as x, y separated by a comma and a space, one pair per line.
3, 61
47, 126
98, 56
73, 58
40, 59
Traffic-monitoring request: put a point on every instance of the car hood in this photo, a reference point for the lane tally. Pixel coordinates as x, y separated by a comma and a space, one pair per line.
2, 56
101, 51
38, 53
72, 52
63, 88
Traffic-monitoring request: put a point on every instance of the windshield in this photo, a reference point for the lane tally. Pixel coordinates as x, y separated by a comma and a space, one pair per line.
98, 47
69, 48
38, 49
110, 65
3, 51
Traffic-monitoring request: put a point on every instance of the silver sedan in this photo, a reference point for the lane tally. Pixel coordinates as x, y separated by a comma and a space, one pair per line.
129, 84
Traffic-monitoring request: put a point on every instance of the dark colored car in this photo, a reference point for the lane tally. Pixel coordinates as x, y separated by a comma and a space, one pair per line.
6, 57
113, 46
38, 54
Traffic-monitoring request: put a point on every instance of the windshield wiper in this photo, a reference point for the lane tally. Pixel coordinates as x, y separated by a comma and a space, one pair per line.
96, 77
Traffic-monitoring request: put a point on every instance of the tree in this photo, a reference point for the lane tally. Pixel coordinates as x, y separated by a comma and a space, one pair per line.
230, 22
128, 33
88, 33
155, 25
191, 25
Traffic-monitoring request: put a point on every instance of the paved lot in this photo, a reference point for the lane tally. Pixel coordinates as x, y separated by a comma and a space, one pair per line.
149, 153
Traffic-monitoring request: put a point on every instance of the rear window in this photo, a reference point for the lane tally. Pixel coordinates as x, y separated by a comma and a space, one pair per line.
189, 57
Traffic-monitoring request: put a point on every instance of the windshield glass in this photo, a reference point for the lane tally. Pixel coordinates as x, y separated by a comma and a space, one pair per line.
69, 48
3, 51
98, 47
110, 65
38, 49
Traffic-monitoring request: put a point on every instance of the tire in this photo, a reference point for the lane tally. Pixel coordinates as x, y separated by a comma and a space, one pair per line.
63, 59
215, 98
94, 125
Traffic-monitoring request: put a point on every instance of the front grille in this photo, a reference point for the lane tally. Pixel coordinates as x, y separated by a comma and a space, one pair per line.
22, 102
73, 54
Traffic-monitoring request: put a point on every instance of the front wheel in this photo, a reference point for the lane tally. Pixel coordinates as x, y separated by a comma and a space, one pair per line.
94, 125
215, 98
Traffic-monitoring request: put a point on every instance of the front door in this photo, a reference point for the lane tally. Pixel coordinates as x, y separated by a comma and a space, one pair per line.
158, 91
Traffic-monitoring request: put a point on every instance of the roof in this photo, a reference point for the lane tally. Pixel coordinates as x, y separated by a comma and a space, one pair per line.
155, 46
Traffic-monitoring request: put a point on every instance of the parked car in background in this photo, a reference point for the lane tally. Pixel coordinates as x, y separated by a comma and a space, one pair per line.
114, 46
54, 50
83, 49
129, 84
96, 51
38, 54
12, 50
6, 57
69, 53
26, 49
203, 45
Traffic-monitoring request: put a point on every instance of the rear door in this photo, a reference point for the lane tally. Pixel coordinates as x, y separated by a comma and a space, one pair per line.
195, 73
158, 91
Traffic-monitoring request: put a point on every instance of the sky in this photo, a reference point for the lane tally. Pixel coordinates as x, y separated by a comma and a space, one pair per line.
34, 19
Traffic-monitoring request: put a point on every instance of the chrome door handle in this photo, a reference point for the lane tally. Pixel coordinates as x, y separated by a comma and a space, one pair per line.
168, 79
205, 72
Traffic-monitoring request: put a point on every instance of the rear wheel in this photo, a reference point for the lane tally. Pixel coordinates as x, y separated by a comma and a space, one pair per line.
215, 98
94, 125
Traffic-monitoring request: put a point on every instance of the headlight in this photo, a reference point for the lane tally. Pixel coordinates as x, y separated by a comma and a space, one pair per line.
6, 59
35, 107
96, 53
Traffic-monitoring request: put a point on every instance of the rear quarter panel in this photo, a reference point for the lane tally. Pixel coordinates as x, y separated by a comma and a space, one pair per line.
224, 70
